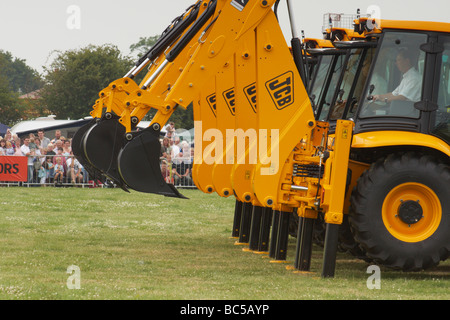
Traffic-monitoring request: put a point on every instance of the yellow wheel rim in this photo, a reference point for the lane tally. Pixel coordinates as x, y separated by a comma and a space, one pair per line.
411, 212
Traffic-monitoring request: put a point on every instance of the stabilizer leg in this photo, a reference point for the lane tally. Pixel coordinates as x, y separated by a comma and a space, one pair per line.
274, 233
283, 236
246, 218
264, 234
237, 219
255, 228
330, 252
304, 244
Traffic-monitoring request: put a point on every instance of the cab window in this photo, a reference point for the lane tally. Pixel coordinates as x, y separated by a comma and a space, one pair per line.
320, 76
352, 84
441, 125
327, 99
395, 83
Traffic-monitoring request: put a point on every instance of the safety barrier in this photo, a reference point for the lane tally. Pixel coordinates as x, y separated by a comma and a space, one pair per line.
36, 171
178, 172
43, 170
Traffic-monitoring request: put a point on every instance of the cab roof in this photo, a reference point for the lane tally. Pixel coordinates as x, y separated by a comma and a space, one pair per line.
381, 24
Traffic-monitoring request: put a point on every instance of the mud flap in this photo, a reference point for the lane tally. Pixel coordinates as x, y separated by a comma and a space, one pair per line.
101, 145
139, 165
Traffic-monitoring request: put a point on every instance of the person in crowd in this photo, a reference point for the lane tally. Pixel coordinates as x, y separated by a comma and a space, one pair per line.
165, 147
39, 148
170, 134
41, 173
59, 171
169, 168
2, 147
39, 170
8, 135
32, 143
166, 172
9, 150
29, 153
59, 153
170, 126
44, 140
58, 145
16, 145
181, 176
57, 136
49, 169
50, 150
188, 159
67, 148
181, 170
74, 169
176, 153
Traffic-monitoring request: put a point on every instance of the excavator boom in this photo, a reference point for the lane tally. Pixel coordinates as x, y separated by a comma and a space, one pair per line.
256, 136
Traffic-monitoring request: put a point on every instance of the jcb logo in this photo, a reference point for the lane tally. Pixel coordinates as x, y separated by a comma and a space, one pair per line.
250, 93
211, 99
281, 90
229, 97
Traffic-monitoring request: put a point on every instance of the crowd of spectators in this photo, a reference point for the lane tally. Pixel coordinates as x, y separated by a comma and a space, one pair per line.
176, 158
49, 160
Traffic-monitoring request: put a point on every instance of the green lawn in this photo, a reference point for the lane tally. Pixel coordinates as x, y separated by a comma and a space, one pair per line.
140, 246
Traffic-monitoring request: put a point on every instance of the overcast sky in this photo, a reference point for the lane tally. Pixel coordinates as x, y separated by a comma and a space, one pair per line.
32, 30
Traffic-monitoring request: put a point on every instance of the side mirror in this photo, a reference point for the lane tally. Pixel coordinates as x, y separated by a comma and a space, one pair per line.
371, 88
313, 100
341, 94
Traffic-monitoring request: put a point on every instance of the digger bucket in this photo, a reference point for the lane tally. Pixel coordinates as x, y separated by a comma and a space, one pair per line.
101, 145
139, 166
78, 150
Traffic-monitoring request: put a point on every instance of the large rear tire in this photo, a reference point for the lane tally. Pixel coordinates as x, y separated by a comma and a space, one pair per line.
400, 211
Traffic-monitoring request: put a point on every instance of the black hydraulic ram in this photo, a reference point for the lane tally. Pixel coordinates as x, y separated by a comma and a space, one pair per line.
183, 42
169, 36
138, 160
97, 144
297, 47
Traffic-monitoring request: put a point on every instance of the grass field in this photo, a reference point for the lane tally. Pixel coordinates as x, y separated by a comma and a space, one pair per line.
140, 246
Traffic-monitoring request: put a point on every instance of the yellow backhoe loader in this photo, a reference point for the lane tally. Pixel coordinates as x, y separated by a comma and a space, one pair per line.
370, 147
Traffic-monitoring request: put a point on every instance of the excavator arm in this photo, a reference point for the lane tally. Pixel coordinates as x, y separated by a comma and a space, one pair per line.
261, 108
256, 136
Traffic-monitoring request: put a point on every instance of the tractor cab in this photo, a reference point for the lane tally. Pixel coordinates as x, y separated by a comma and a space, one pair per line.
393, 79
408, 86
395, 85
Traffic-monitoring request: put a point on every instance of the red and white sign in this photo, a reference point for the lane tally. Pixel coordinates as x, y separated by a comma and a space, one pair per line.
13, 168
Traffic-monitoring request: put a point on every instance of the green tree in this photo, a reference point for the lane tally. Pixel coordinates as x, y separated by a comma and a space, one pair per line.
141, 48
21, 77
183, 118
17, 78
10, 107
143, 45
75, 77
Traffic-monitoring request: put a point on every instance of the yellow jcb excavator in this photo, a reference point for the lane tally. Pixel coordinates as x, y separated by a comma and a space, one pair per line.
383, 159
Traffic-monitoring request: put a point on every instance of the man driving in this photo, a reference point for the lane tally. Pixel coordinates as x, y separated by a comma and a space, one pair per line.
409, 88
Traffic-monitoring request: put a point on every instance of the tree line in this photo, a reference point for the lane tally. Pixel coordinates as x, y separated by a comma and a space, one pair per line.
69, 86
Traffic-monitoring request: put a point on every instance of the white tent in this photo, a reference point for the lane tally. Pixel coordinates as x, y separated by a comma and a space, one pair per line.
50, 125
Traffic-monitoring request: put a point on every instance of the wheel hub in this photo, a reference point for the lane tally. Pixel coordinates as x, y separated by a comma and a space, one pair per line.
410, 212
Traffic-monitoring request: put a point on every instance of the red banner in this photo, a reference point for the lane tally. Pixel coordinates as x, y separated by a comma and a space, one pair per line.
13, 168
